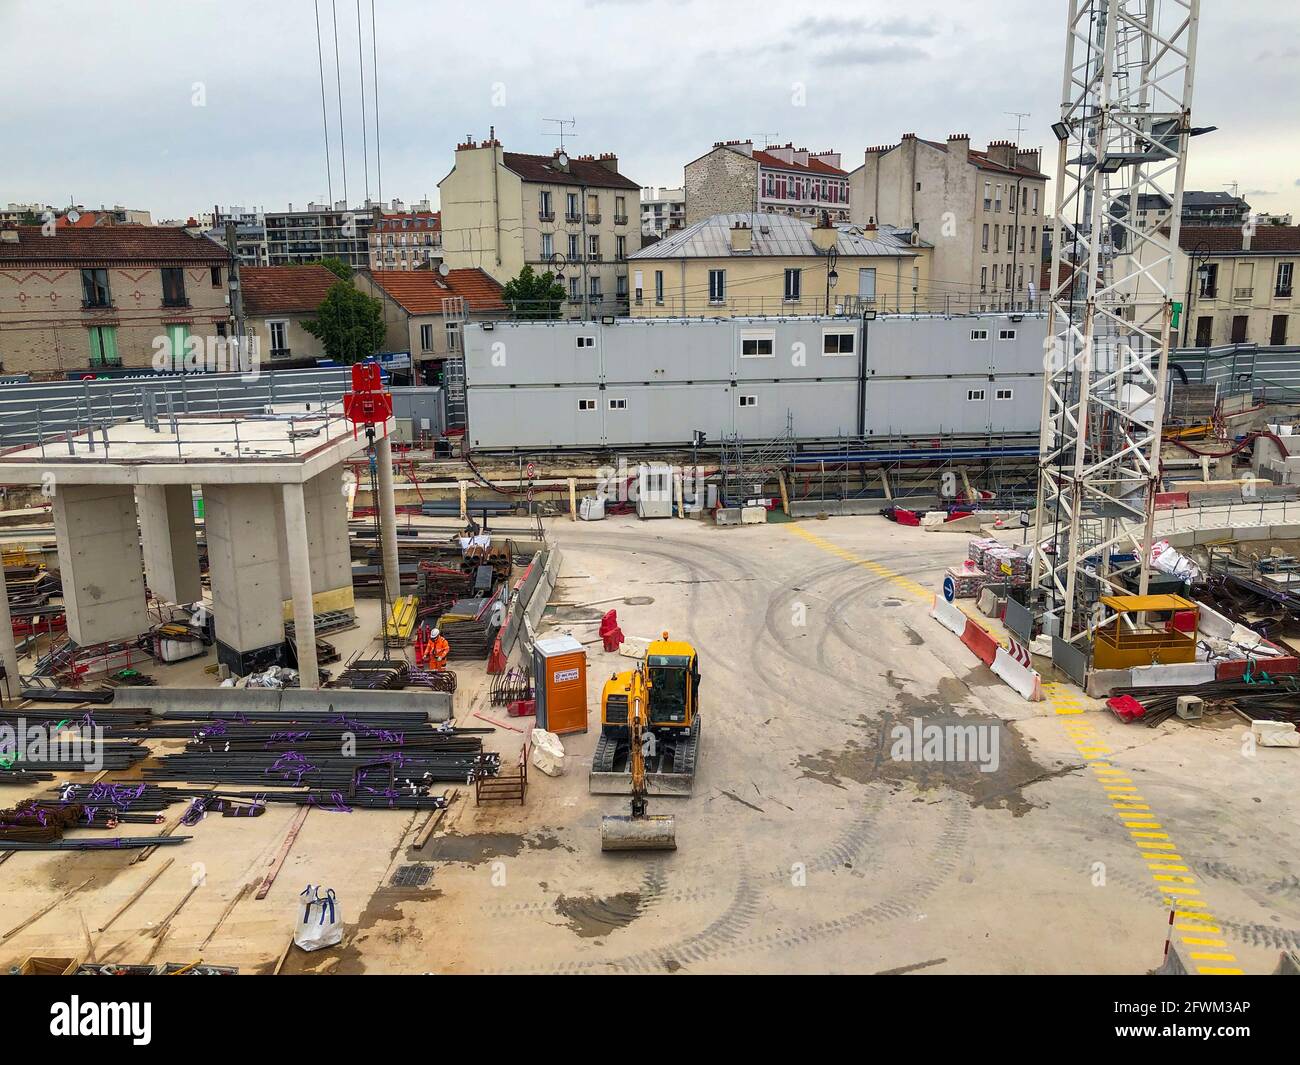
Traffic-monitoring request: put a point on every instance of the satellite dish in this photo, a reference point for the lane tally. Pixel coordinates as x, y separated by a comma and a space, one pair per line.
562, 159
72, 216
443, 269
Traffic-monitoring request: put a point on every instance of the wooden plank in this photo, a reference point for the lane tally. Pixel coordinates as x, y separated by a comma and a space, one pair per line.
136, 896
161, 927
278, 861
785, 492
283, 955
435, 819
573, 499
45, 909
225, 913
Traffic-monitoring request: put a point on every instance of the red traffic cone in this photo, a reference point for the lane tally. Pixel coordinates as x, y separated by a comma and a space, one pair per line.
496, 660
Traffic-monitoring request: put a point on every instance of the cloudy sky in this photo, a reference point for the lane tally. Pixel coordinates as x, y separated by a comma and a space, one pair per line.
175, 105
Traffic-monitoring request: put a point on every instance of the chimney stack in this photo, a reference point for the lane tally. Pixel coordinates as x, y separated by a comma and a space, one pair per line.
742, 237
824, 235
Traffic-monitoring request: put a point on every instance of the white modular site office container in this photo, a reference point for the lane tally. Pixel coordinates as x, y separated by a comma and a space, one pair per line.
658, 381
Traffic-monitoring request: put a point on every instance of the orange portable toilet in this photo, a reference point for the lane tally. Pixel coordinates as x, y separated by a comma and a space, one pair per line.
560, 683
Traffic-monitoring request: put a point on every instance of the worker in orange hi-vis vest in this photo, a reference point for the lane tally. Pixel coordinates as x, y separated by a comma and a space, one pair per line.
439, 649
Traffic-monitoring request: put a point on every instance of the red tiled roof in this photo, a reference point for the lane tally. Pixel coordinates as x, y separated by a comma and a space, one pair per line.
112, 244
422, 291
581, 171
1230, 239
284, 289
814, 165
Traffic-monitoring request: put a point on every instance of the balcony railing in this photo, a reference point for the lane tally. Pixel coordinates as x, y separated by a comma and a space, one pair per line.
176, 301
620, 220
1242, 293
97, 305
1282, 292
593, 218
572, 217
546, 216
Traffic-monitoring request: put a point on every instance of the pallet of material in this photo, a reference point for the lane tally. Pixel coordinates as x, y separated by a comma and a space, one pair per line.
402, 618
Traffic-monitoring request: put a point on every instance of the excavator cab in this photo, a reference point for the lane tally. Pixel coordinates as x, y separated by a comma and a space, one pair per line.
671, 729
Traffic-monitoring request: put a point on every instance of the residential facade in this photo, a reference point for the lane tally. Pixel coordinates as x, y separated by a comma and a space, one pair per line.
767, 263
661, 210
79, 300
407, 241
573, 216
277, 300
424, 311
1213, 208
983, 211
1238, 285
320, 231
250, 233
735, 176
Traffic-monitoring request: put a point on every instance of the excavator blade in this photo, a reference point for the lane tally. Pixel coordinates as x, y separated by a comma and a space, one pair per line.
655, 832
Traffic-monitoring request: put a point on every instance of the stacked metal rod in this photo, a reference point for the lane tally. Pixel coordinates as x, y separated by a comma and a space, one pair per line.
1263, 698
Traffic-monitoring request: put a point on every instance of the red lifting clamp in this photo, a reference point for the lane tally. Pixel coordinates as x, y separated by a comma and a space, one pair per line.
367, 404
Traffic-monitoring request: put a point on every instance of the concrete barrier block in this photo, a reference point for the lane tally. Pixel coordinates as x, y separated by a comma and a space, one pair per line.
753, 515
727, 516
1275, 733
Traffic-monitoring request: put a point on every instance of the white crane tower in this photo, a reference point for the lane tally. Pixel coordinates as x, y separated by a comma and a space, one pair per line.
1121, 156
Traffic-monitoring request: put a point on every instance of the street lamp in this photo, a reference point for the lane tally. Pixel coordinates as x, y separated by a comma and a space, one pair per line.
1199, 254
832, 276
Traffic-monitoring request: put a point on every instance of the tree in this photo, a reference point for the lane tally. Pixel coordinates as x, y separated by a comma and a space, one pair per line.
335, 266
533, 295
348, 323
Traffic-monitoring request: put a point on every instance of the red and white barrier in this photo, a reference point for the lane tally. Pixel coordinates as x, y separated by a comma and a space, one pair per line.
1012, 666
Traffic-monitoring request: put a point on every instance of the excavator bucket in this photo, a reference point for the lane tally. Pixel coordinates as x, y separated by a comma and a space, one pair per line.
654, 832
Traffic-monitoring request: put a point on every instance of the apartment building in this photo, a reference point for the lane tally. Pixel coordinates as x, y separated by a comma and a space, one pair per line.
1213, 208
570, 215
424, 311
1239, 285
661, 210
295, 238
406, 241
250, 233
277, 300
79, 300
735, 176
983, 212
769, 263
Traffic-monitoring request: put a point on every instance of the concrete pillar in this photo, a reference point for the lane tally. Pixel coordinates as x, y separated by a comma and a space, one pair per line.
171, 550
8, 651
244, 570
304, 621
327, 540
98, 534
388, 517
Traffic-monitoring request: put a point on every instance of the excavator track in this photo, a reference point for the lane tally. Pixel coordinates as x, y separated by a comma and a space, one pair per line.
605, 754
685, 751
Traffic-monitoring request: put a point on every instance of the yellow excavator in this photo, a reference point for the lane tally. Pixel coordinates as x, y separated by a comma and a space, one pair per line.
649, 738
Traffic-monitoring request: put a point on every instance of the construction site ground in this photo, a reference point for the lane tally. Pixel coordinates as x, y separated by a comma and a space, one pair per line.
805, 846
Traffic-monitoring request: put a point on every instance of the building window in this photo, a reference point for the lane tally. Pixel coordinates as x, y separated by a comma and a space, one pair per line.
575, 293
594, 288
974, 395
997, 198
620, 286
426, 337
1033, 238
216, 276
1278, 333
593, 247
586, 404
548, 245
620, 247
749, 401
453, 337
1283, 286
103, 346
221, 329
575, 255
544, 205
757, 345
793, 285
979, 334
618, 404
94, 289
1033, 200
586, 342
984, 237
659, 287
1006, 334
173, 286
996, 231
178, 339
279, 339
837, 342
571, 207
984, 276
988, 195
717, 286
1002, 393
620, 209
1209, 281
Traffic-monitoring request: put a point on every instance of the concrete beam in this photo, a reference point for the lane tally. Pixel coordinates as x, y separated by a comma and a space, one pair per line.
98, 534
388, 517
244, 570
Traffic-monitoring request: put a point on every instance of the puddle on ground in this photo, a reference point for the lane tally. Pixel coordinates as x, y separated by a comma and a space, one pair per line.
487, 846
928, 743
593, 915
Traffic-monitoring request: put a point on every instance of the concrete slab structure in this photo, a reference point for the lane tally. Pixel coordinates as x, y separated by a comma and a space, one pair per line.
275, 520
